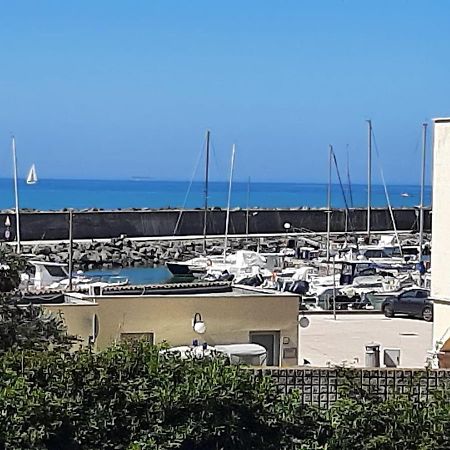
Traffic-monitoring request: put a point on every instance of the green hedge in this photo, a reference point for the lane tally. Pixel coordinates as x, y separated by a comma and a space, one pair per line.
132, 397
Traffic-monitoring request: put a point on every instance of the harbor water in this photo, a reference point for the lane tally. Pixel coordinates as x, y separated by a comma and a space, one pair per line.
135, 275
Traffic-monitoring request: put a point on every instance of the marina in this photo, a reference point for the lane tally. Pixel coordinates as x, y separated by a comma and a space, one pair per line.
224, 225
318, 260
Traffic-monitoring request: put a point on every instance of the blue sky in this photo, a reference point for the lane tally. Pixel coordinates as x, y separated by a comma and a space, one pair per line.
115, 89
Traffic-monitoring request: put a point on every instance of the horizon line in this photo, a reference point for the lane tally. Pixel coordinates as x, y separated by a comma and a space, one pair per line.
138, 179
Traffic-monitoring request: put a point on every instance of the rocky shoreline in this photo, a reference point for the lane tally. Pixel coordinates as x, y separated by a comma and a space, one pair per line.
124, 252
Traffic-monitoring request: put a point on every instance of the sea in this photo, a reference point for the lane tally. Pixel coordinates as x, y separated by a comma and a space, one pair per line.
57, 194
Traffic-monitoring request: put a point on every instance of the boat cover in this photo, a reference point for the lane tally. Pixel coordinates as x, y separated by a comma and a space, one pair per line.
245, 258
242, 349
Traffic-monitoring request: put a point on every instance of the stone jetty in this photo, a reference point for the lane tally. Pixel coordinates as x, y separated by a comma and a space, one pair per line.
124, 252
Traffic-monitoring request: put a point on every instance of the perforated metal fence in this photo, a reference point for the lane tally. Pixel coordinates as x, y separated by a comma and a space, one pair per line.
322, 386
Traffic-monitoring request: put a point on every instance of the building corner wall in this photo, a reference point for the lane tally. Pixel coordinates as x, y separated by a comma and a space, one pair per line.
440, 258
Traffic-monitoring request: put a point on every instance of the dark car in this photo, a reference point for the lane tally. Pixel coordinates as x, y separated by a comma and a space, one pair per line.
413, 302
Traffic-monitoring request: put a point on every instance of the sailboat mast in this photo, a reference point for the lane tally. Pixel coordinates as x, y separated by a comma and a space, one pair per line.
369, 175
247, 215
16, 194
330, 160
227, 221
70, 248
422, 188
205, 214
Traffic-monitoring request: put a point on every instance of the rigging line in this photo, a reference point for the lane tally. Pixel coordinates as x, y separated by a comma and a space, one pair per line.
188, 191
342, 190
349, 180
391, 212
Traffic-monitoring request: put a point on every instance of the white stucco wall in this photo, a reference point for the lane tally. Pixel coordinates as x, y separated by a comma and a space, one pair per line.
440, 258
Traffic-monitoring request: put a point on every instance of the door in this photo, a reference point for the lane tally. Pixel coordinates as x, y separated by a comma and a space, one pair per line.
418, 303
404, 302
270, 340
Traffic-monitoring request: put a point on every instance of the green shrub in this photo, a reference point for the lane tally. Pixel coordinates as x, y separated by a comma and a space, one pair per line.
130, 396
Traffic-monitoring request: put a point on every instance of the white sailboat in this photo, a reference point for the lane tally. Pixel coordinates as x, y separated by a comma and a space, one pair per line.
32, 177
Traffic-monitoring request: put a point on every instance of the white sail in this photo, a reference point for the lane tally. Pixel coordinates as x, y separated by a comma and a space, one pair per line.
32, 177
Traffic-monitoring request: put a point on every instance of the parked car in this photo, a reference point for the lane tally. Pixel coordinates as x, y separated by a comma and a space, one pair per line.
412, 302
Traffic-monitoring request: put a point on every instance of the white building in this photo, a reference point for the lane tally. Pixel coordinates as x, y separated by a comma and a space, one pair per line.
440, 258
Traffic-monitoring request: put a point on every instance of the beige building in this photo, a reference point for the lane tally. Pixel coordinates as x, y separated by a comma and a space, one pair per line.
241, 316
440, 257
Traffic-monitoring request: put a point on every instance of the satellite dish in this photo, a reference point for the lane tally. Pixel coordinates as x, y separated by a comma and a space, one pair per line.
304, 322
94, 327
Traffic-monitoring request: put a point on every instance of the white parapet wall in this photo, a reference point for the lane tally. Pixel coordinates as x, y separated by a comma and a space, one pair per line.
440, 258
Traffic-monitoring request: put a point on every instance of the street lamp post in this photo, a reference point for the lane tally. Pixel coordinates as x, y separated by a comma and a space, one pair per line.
70, 248
287, 226
333, 255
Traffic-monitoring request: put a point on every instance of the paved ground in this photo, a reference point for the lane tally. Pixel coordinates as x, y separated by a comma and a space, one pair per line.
326, 341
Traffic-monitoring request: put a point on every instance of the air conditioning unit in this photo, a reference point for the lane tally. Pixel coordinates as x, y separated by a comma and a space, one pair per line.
391, 357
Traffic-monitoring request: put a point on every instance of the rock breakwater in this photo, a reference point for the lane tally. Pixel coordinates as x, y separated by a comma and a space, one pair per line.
126, 252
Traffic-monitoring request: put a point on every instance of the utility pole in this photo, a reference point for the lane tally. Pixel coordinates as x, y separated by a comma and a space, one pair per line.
334, 286
422, 188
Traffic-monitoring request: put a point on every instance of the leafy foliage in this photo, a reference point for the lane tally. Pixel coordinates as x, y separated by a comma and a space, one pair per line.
25, 326
362, 421
132, 397
10, 267
29, 327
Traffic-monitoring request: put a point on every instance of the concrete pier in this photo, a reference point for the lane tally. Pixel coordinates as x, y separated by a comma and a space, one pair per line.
160, 223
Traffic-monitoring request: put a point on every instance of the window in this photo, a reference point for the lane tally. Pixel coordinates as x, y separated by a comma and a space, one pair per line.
128, 337
408, 294
422, 294
56, 271
368, 272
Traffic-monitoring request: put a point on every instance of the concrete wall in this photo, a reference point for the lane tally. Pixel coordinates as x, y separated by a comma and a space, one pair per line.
109, 224
229, 318
440, 258
78, 319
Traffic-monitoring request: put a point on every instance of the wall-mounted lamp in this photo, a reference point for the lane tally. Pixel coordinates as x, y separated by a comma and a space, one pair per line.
304, 322
287, 226
197, 324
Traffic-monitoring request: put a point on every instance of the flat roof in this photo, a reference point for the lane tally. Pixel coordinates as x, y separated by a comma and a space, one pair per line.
79, 298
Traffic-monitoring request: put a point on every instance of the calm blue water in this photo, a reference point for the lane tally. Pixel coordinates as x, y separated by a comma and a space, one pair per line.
109, 194
136, 275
